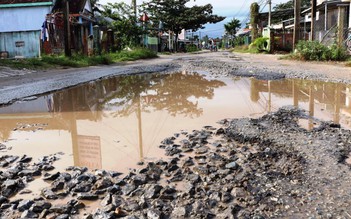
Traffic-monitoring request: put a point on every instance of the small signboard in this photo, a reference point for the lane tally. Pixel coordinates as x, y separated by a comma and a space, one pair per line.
89, 151
19, 43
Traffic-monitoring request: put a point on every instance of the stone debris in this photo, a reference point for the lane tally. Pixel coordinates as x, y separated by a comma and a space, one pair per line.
248, 168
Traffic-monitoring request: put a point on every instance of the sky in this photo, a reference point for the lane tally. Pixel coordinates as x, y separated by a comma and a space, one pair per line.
227, 8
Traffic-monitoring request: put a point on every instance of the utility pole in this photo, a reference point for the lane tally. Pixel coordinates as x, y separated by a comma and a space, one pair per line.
271, 34
313, 17
297, 13
341, 25
67, 31
134, 7
269, 13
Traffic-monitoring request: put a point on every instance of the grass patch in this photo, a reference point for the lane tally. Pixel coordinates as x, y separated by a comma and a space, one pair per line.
244, 49
32, 63
77, 61
139, 53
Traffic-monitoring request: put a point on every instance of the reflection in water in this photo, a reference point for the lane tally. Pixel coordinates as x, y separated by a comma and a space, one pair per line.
115, 123
331, 97
83, 110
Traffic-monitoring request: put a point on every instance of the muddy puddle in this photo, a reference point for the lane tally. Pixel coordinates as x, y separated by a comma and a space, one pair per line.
115, 123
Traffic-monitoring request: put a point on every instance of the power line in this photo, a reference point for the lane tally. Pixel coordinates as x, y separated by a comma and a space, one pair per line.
242, 6
247, 18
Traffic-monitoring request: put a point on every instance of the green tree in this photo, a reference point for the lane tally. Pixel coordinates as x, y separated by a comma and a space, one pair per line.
232, 27
127, 31
176, 16
290, 4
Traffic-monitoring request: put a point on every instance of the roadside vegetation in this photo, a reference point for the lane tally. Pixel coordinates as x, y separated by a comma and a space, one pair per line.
191, 48
305, 51
77, 61
260, 45
316, 51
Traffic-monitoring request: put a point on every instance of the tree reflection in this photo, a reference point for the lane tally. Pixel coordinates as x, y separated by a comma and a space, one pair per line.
172, 93
176, 93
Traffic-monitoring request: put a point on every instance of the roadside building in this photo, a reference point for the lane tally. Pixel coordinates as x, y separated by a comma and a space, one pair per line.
81, 21
332, 23
21, 26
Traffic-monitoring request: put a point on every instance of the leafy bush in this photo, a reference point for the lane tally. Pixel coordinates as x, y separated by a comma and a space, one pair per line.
260, 44
316, 51
191, 48
238, 41
338, 53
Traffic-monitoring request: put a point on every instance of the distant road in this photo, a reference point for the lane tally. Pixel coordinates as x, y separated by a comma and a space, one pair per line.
18, 84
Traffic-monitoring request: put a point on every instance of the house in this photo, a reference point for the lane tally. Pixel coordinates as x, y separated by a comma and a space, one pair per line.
21, 24
280, 29
332, 22
81, 21
244, 35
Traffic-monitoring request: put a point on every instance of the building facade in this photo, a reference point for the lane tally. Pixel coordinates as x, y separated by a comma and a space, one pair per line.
21, 25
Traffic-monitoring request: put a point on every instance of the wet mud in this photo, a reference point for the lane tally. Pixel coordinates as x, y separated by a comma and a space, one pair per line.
268, 167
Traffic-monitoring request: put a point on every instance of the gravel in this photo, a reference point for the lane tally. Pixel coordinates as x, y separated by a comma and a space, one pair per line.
269, 167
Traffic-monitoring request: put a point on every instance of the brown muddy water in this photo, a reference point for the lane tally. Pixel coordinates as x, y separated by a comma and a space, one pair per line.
115, 123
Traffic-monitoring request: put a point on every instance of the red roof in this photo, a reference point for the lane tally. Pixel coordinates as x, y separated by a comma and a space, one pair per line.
3, 2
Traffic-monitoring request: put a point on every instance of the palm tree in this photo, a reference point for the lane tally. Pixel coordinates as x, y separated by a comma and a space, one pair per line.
232, 27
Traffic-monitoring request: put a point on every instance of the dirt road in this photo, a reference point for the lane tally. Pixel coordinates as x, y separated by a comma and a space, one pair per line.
18, 84
269, 167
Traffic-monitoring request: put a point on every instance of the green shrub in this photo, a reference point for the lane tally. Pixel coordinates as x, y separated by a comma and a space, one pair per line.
312, 50
191, 48
316, 51
131, 55
260, 44
338, 54
238, 41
